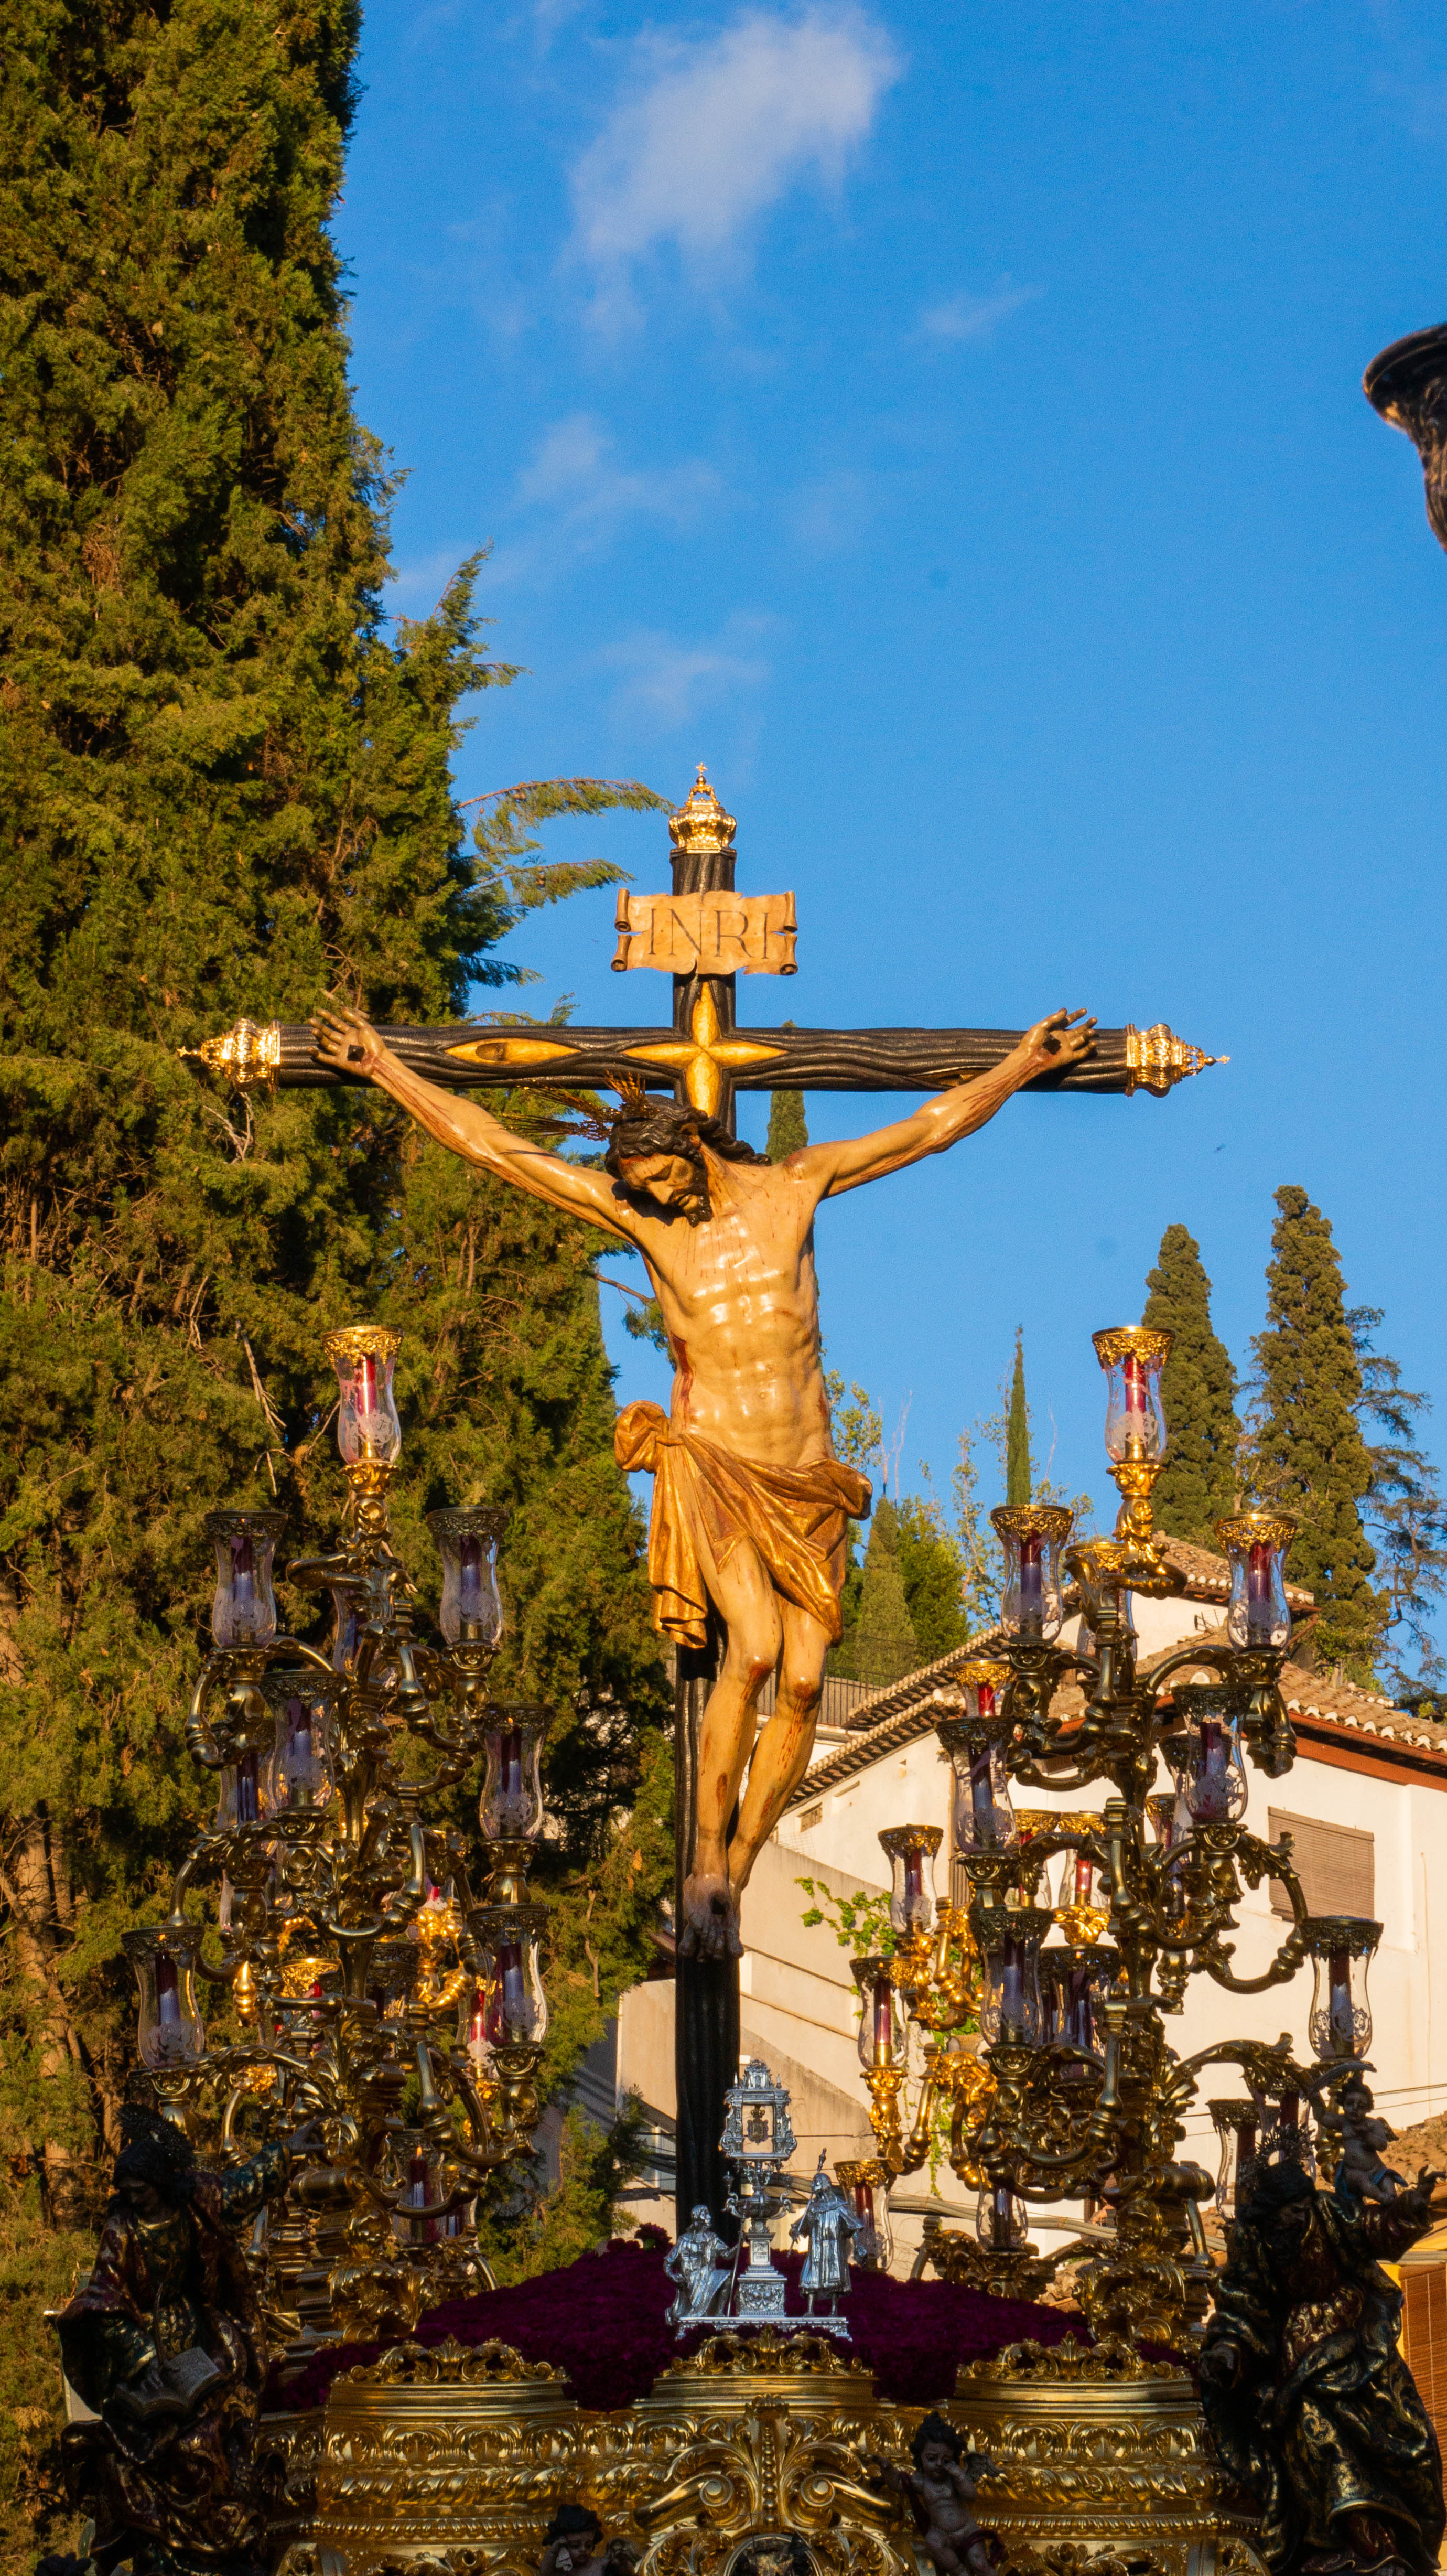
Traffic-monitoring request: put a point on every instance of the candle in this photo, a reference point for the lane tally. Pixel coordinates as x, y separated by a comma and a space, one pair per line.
1341, 2019
1012, 1990
982, 1800
883, 2023
1259, 1621
247, 1803
1133, 1375
168, 1993
1031, 1587
1211, 1790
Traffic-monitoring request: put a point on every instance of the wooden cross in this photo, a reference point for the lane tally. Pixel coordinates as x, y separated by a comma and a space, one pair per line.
704, 934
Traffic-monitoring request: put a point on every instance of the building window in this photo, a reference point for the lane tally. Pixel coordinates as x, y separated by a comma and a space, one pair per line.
1333, 1862
810, 1817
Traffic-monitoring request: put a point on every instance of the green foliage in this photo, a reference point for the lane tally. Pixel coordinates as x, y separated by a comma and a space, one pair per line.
1017, 1431
881, 1646
523, 2230
1407, 1514
860, 1923
935, 1574
226, 789
1197, 1484
788, 1127
1307, 1454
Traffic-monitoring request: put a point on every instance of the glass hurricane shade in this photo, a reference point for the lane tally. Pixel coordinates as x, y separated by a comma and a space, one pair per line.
467, 1539
910, 1851
883, 2020
1205, 1757
391, 1976
1133, 1356
1009, 1939
510, 1808
298, 1771
865, 2186
1342, 1947
369, 1429
511, 1984
169, 2028
1000, 2219
243, 1792
347, 1623
1256, 1545
1238, 2126
984, 1819
1032, 1536
243, 1610
1072, 1983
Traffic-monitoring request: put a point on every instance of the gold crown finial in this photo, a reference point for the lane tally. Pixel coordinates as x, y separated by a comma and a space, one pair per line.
700, 824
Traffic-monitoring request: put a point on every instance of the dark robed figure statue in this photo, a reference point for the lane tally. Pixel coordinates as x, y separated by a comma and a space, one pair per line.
165, 2344
1309, 2402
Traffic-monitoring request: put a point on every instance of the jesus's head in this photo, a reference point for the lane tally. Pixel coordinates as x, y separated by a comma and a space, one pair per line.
656, 1153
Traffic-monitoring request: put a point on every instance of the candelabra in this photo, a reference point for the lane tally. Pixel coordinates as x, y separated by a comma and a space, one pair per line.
1041, 2026
369, 1991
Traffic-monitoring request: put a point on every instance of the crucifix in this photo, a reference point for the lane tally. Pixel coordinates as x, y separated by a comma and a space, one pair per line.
747, 1542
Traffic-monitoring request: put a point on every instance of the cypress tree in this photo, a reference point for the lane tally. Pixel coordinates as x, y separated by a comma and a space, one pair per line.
933, 1573
883, 1645
788, 1127
1309, 1456
1198, 1386
1019, 1485
226, 789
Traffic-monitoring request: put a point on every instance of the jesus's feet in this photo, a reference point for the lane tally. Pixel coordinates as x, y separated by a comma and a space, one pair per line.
710, 1918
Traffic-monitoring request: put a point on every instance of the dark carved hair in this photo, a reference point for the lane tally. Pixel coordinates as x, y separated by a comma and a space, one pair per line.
935, 2429
1275, 2188
644, 1126
154, 2150
573, 2522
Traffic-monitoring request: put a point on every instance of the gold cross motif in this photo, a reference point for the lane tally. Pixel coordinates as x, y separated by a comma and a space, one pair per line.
702, 1056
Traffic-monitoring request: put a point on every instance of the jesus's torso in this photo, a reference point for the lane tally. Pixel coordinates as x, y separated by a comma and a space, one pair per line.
740, 1305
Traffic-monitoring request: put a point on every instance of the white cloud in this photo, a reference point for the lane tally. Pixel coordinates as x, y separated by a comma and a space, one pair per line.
576, 475
973, 317
828, 514
671, 679
718, 131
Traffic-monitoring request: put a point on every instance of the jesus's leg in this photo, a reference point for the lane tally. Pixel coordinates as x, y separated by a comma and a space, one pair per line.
781, 1756
744, 1597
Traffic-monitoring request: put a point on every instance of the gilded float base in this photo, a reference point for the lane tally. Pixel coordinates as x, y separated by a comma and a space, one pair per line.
444, 2462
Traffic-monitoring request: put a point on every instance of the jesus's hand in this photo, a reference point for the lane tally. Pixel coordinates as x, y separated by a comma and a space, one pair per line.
1053, 1043
342, 1037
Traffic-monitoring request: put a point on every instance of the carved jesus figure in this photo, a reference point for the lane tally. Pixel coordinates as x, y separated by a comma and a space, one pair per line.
750, 1503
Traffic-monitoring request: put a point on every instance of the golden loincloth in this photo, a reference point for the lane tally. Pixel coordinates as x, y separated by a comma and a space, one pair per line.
794, 1516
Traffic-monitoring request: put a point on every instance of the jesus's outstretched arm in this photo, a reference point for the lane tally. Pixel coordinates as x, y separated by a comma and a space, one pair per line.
344, 1038
1052, 1044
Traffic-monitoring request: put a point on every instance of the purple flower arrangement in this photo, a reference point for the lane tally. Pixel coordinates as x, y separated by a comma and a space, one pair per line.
603, 2321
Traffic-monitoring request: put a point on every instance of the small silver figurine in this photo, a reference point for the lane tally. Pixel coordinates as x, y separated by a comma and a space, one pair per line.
701, 2264
826, 2222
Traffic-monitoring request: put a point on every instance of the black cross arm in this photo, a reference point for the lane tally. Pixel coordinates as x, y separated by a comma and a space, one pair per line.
475, 1055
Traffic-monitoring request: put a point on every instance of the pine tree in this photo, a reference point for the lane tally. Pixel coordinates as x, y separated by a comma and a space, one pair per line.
883, 1645
226, 790
1018, 1477
1308, 1455
788, 1127
1197, 1484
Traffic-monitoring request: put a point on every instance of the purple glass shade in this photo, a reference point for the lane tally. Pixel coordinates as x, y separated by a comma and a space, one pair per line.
243, 1611
1205, 1757
516, 2007
1009, 1938
299, 1772
467, 1539
369, 1429
883, 2020
1133, 1356
1256, 1543
511, 1806
1033, 1536
910, 1851
1342, 1949
169, 2028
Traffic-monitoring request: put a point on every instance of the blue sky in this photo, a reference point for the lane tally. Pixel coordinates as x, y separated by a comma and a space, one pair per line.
946, 422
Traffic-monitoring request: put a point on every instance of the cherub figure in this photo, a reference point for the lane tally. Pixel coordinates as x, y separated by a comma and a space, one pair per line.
574, 2546
940, 2493
1361, 2174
